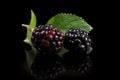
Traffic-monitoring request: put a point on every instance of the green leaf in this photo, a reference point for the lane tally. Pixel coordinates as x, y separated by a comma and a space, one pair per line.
61, 53
30, 55
33, 21
66, 21
31, 27
51, 20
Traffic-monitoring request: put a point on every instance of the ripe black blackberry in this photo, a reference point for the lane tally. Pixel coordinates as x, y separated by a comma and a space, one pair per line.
79, 44
46, 66
47, 38
77, 40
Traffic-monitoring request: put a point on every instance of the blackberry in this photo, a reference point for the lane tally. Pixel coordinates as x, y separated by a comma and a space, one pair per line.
77, 40
78, 43
46, 67
47, 38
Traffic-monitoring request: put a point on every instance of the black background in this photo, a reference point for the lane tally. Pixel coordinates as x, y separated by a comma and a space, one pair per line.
43, 9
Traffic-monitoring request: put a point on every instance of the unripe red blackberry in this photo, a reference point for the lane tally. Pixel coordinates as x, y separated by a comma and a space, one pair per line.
47, 38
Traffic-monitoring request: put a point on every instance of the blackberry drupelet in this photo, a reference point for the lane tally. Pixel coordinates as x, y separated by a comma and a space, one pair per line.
47, 38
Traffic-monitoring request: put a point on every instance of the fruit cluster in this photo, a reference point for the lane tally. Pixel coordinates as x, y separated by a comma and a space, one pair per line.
48, 39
